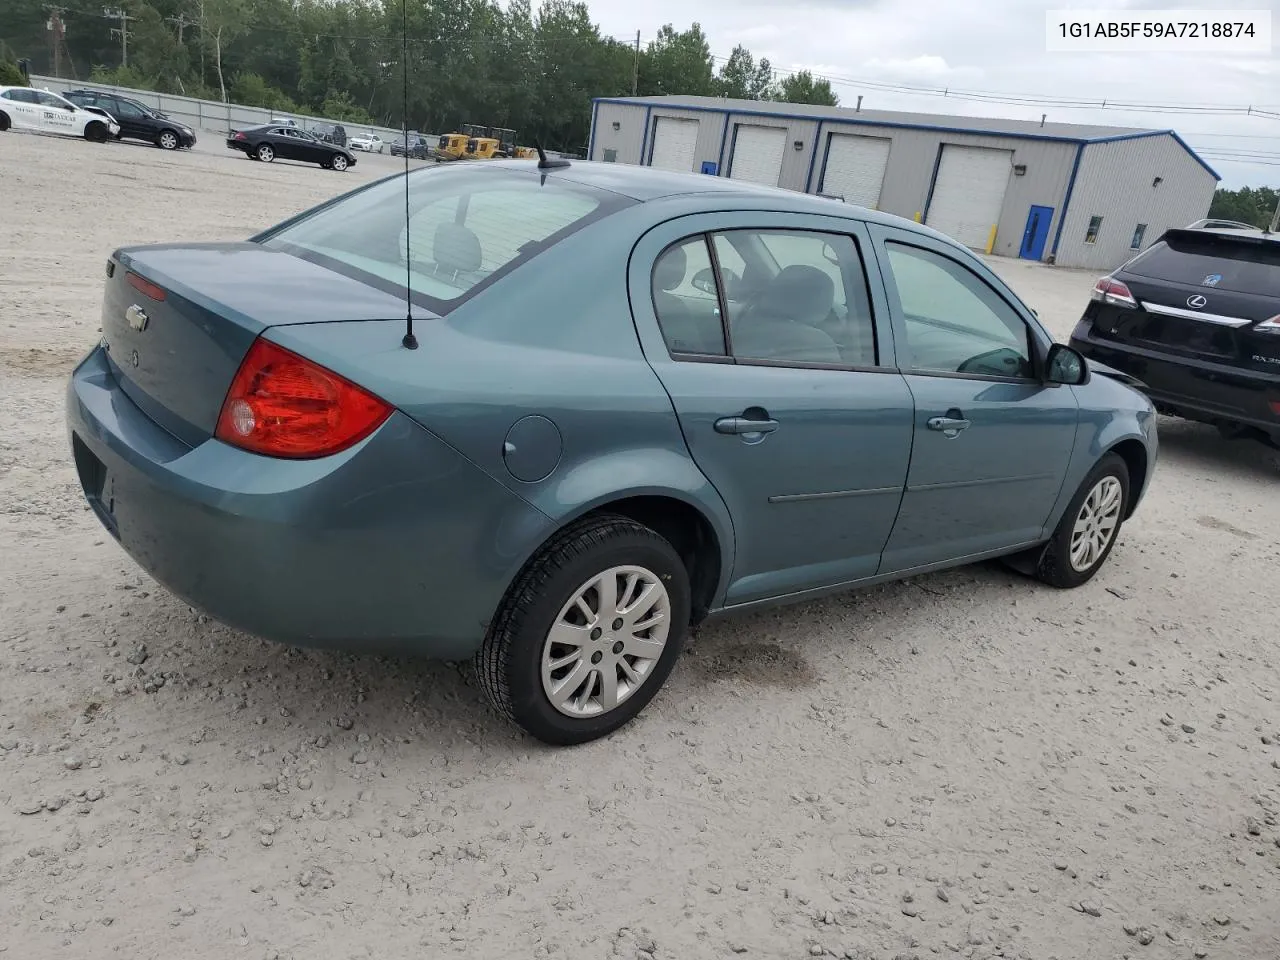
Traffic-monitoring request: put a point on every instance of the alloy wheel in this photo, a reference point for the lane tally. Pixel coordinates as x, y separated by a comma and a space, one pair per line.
168, 141
606, 641
1096, 523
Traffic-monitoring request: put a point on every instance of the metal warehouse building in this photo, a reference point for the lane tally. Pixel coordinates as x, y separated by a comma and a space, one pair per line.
1076, 195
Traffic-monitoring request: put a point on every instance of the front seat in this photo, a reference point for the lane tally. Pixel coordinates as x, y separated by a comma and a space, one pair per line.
783, 322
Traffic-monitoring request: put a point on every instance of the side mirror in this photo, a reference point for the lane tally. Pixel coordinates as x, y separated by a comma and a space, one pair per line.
1065, 366
705, 281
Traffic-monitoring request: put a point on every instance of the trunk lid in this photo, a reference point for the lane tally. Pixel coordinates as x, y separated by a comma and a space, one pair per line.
1201, 294
178, 319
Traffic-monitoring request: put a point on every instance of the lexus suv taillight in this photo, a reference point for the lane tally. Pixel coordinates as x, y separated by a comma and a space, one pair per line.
1113, 292
284, 405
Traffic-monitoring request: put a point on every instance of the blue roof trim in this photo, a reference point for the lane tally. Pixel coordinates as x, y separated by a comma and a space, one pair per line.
1159, 133
897, 125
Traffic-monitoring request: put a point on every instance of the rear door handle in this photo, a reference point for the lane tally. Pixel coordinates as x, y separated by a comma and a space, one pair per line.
950, 426
740, 425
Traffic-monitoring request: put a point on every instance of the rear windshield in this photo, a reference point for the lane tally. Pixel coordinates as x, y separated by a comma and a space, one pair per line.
467, 227
1225, 263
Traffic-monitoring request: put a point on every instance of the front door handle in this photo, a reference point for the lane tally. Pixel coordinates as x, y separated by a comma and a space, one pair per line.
949, 426
741, 425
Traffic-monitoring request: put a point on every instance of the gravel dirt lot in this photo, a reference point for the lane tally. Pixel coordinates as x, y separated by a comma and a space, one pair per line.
965, 764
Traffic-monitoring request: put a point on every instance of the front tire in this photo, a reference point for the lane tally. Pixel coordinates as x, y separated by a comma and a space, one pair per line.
168, 140
265, 153
588, 633
5, 122
1089, 527
339, 162
97, 132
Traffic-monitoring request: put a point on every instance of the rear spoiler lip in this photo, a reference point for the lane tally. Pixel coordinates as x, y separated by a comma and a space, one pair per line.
1254, 239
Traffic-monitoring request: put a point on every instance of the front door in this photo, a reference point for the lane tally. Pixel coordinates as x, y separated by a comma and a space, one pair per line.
762, 328
134, 124
992, 440
1036, 234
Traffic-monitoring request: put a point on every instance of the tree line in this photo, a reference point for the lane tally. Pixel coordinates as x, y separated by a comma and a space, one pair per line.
1253, 205
469, 61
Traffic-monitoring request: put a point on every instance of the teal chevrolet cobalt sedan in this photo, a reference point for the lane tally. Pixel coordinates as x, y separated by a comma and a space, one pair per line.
629, 400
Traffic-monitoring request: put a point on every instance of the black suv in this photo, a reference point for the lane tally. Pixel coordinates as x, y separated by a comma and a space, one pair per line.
1196, 319
418, 146
137, 120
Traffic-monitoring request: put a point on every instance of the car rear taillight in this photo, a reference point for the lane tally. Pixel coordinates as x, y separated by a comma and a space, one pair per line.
1269, 326
145, 286
283, 405
1113, 292
239, 136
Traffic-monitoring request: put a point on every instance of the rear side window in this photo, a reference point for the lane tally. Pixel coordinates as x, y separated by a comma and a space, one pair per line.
467, 227
1224, 263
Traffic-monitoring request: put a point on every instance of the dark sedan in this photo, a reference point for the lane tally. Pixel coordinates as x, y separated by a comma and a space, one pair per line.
269, 141
137, 120
1196, 318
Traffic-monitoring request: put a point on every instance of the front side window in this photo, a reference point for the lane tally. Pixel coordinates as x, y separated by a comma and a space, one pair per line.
46, 99
955, 322
467, 225
125, 109
796, 295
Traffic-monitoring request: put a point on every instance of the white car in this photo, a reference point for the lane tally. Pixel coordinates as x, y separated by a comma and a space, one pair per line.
369, 143
25, 108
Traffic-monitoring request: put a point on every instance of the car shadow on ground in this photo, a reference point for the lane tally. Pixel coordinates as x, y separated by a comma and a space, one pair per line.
1203, 449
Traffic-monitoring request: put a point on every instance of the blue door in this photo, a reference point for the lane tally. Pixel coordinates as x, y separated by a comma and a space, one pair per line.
1036, 234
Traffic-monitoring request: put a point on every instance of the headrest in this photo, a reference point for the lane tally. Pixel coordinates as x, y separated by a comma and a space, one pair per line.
669, 273
456, 248
801, 292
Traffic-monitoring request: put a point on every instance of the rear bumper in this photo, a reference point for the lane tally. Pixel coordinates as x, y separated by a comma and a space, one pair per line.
1193, 389
398, 545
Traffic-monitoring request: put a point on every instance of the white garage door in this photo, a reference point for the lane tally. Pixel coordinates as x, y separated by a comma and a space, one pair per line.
855, 169
675, 144
969, 192
757, 154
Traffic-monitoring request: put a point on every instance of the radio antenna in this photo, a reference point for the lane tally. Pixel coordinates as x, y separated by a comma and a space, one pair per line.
409, 341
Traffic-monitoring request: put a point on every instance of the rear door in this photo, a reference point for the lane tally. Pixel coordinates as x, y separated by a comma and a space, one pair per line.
20, 104
784, 386
1199, 294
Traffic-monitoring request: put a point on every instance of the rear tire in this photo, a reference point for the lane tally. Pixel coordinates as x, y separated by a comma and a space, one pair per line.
562, 631
1089, 528
265, 153
97, 132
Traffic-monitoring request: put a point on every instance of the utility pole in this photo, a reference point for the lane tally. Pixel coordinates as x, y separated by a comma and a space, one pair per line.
122, 32
635, 69
182, 22
56, 30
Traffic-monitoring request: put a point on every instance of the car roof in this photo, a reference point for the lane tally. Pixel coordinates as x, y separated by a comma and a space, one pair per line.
1244, 233
645, 184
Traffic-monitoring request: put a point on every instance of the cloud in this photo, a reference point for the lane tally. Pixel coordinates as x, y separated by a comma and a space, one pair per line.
926, 67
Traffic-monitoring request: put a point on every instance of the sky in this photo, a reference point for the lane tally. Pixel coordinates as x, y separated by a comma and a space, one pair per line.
995, 46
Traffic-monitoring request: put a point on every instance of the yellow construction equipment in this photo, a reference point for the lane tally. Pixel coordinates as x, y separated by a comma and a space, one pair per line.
451, 146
